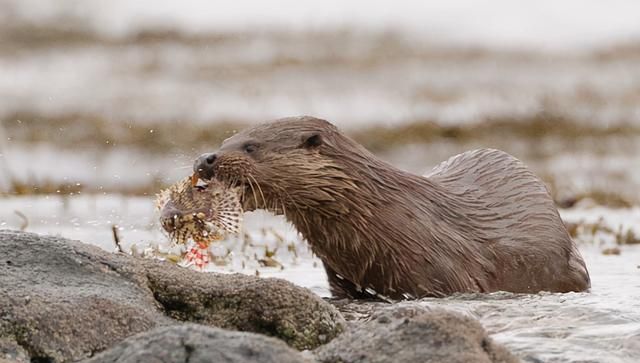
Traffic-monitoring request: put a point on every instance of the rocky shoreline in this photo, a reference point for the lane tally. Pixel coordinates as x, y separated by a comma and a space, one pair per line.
66, 301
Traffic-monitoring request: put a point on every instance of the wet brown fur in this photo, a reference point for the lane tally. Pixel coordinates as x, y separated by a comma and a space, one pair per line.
479, 222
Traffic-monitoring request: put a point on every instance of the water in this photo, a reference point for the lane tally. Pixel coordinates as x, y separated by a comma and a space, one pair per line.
602, 325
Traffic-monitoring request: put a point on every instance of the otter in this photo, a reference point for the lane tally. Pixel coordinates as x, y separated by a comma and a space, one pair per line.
478, 222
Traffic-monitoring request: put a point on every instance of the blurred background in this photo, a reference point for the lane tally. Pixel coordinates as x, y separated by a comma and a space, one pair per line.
112, 100
103, 103
120, 96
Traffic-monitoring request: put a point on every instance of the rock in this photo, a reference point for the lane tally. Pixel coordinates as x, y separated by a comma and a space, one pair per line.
63, 300
238, 302
11, 352
194, 343
409, 332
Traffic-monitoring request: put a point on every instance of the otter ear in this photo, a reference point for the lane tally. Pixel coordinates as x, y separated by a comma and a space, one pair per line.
311, 141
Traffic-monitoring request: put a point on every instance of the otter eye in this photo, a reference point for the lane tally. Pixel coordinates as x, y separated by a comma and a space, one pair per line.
312, 141
250, 148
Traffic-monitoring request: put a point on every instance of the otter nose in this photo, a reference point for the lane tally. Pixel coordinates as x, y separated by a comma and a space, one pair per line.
204, 165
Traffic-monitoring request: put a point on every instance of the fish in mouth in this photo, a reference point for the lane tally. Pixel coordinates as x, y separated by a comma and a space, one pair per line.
200, 211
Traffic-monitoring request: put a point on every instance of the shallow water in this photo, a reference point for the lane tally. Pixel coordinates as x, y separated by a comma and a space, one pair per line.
602, 325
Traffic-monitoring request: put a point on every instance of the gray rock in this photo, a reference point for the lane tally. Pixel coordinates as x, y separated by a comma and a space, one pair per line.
199, 344
269, 306
412, 333
63, 300
11, 352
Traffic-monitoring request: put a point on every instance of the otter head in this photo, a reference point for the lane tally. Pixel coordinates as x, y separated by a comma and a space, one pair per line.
290, 166
338, 195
